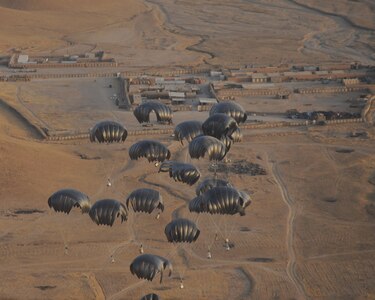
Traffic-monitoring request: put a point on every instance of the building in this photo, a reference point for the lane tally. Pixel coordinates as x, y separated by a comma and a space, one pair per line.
207, 101
260, 78
176, 95
275, 77
311, 68
23, 59
350, 81
178, 101
215, 73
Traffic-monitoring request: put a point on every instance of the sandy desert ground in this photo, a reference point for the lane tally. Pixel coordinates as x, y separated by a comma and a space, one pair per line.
154, 33
309, 232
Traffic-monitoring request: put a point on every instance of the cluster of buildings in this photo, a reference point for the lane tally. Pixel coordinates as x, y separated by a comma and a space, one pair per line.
188, 91
227, 84
267, 81
97, 59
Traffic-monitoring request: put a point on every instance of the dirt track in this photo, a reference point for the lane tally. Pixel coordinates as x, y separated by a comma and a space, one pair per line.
293, 209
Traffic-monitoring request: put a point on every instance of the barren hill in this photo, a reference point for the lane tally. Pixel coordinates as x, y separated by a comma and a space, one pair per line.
131, 31
359, 13
163, 33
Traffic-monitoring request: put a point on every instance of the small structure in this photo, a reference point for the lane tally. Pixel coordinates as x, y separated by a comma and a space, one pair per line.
23, 59
207, 101
350, 81
275, 77
311, 68
215, 73
176, 95
283, 94
260, 78
178, 101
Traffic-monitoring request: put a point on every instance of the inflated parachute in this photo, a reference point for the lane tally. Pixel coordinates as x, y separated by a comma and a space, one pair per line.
235, 137
181, 231
182, 172
108, 132
188, 130
230, 108
105, 212
219, 125
221, 200
64, 200
207, 146
197, 205
151, 297
210, 183
147, 266
162, 111
145, 200
150, 149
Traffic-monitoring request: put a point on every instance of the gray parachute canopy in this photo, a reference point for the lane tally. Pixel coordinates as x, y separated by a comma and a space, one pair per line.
181, 231
186, 173
235, 137
150, 149
105, 212
108, 132
219, 125
147, 266
151, 297
64, 200
162, 111
188, 130
221, 200
230, 108
145, 200
207, 146
209, 183
197, 205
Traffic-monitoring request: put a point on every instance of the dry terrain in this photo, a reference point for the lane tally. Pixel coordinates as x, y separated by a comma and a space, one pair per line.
309, 232
309, 223
161, 33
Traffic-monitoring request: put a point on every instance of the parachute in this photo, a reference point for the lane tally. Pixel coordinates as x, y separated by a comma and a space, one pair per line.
221, 200
235, 137
150, 149
147, 266
162, 111
227, 141
197, 205
219, 125
210, 183
231, 109
105, 212
202, 145
188, 130
145, 200
64, 200
182, 172
181, 231
151, 297
108, 132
